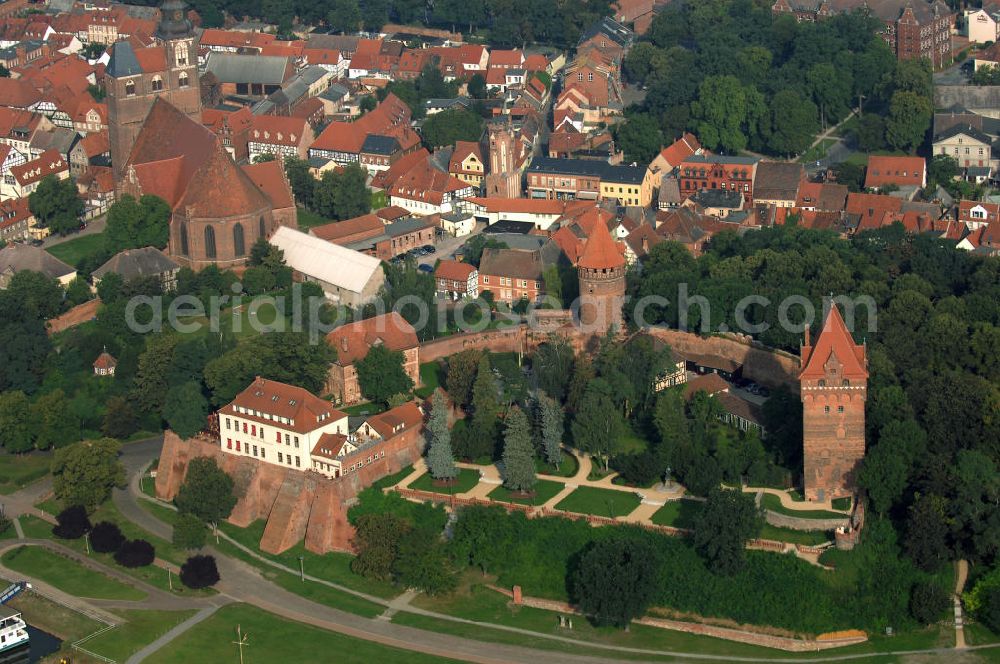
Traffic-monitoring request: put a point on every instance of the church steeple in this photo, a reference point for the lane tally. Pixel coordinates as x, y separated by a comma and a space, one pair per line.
174, 23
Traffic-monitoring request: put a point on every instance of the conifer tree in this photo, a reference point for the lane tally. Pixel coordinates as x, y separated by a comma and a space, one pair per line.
518, 453
440, 460
551, 428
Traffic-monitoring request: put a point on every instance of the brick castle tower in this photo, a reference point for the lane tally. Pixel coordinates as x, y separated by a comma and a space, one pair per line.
137, 77
504, 179
833, 385
601, 271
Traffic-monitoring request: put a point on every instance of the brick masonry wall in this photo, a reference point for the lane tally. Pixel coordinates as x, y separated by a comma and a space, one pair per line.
800, 523
298, 505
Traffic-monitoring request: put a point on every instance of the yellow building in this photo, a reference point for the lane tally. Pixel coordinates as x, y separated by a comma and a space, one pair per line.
467, 163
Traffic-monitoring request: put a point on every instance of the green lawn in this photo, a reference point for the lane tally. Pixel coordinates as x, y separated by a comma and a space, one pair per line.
308, 219
75, 250
599, 502
50, 506
467, 478
35, 528
19, 470
392, 480
567, 467
834, 557
55, 619
380, 199
631, 442
679, 513
431, 374
772, 502
334, 567
804, 537
544, 490
817, 151
140, 629
67, 575
274, 639
841, 503
363, 409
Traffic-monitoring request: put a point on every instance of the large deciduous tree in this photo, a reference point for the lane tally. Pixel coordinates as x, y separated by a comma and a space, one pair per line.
207, 491
598, 425
728, 520
56, 204
381, 375
447, 127
85, 473
186, 409
616, 580
909, 120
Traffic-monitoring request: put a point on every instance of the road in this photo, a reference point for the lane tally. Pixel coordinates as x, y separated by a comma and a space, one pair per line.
244, 583
837, 153
95, 226
953, 75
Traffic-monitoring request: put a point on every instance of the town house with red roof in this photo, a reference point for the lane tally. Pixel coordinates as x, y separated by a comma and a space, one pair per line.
456, 279
278, 136
704, 171
898, 171
24, 178
352, 343
976, 214
344, 142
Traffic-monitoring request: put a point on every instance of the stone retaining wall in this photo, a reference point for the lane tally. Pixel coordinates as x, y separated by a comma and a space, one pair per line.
803, 523
822, 642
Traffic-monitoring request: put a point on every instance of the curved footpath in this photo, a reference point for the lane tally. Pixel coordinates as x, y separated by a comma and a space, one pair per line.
244, 583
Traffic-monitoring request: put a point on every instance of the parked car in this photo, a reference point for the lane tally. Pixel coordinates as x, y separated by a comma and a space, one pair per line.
423, 267
429, 249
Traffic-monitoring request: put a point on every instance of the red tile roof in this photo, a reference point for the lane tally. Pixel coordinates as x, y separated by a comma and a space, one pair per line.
454, 270
269, 177
352, 341
367, 225
895, 170
48, 163
304, 410
105, 361
277, 130
396, 420
349, 136
600, 251
506, 58
681, 149
462, 150
834, 343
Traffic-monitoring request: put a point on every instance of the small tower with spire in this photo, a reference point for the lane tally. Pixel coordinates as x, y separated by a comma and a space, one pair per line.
833, 386
601, 271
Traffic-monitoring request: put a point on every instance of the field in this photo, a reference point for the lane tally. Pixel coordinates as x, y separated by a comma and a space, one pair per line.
67, 575
599, 502
678, 513
274, 639
467, 478
139, 629
19, 470
73, 251
544, 490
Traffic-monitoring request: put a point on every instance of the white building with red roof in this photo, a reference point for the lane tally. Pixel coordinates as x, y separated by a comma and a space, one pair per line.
456, 279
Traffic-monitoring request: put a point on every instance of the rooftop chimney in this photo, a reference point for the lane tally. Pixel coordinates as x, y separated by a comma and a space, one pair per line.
807, 335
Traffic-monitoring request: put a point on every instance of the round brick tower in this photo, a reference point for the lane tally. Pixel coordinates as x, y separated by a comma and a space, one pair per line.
601, 271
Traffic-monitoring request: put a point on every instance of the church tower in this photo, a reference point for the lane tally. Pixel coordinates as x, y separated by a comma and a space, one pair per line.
137, 77
504, 179
601, 270
833, 386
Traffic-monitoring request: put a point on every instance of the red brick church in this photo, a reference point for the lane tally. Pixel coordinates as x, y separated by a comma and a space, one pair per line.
159, 146
833, 385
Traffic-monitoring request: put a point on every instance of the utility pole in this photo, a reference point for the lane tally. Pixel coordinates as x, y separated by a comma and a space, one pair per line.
170, 580
86, 539
241, 640
302, 569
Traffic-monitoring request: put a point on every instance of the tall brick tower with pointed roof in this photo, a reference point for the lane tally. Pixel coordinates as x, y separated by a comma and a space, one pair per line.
601, 271
833, 384
136, 77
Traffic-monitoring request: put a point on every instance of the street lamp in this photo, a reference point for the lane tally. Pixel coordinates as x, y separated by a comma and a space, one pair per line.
302, 569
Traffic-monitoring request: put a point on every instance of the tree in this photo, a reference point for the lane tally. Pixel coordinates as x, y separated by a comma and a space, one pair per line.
518, 453
447, 127
54, 424
927, 528
440, 460
376, 540
381, 374
617, 580
422, 562
186, 409
72, 523
461, 374
729, 518
78, 291
640, 137
871, 133
15, 427
598, 425
928, 601
723, 112
344, 16
553, 365
477, 86
106, 537
852, 175
135, 553
85, 473
472, 252
552, 427
986, 75
793, 123
120, 419
189, 531
367, 103
485, 408
583, 373
199, 572
908, 121
207, 491
56, 205
886, 468
142, 223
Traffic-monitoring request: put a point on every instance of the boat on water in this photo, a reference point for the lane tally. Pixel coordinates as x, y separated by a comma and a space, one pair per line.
13, 630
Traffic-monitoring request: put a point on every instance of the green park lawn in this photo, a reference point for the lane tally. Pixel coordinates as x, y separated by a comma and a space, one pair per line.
55, 619
599, 502
139, 629
817, 151
544, 490
841, 503
308, 219
467, 478
67, 575
567, 466
679, 513
431, 374
772, 502
392, 480
803, 537
19, 470
274, 639
363, 409
73, 251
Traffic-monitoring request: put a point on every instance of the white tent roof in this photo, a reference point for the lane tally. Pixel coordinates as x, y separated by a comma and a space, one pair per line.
325, 261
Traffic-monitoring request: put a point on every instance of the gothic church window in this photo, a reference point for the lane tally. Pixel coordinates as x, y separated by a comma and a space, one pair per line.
209, 242
180, 55
239, 243
184, 240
